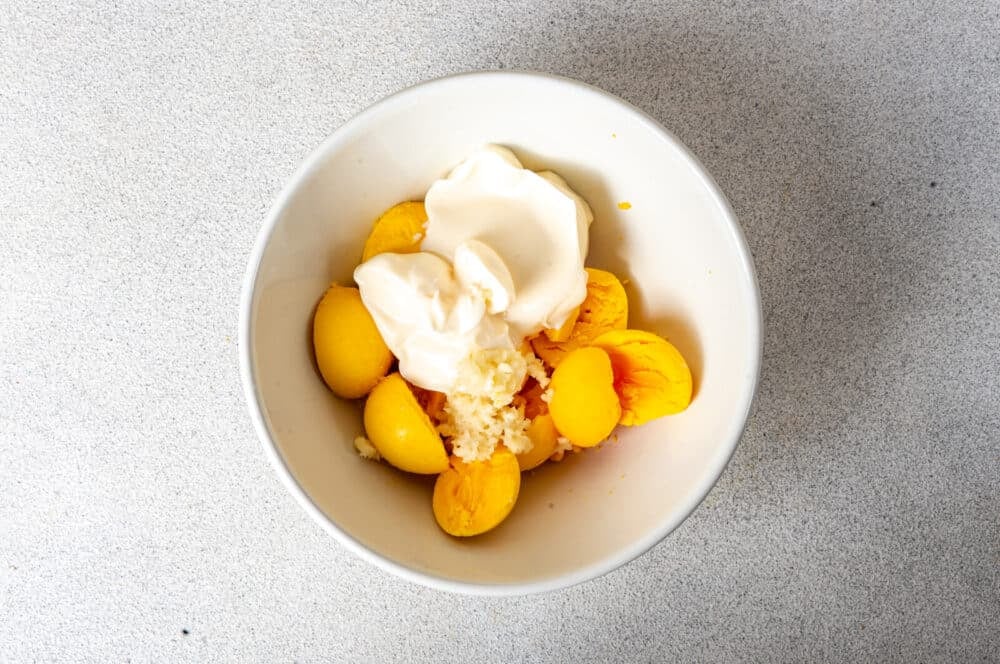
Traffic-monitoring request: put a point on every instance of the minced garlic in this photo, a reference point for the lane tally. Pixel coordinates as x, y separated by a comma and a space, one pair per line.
479, 414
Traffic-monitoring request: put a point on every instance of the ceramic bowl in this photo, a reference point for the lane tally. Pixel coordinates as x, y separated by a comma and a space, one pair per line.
660, 223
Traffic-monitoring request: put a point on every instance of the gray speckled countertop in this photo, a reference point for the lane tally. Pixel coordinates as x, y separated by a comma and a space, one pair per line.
139, 149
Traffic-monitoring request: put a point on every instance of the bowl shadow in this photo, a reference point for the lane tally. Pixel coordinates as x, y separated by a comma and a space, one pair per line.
758, 125
801, 176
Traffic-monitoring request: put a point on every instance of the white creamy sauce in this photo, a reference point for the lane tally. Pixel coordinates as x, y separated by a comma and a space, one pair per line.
502, 259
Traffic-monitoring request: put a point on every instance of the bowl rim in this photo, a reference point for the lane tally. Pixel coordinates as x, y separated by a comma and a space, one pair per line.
560, 581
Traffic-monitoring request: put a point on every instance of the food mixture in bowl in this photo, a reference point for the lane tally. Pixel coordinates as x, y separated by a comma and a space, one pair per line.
482, 344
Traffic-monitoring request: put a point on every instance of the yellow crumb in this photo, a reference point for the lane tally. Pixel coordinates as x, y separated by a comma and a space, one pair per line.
365, 449
624, 205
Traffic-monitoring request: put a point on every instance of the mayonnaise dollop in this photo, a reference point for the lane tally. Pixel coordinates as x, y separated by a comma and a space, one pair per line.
502, 259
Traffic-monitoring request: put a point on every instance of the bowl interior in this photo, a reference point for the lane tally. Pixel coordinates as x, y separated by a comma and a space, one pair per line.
689, 279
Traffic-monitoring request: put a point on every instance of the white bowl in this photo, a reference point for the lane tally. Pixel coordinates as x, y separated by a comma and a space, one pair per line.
690, 279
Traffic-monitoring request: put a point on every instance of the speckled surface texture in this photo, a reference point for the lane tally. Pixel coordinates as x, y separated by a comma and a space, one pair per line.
140, 147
